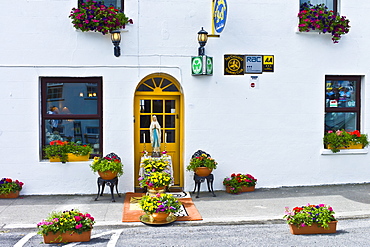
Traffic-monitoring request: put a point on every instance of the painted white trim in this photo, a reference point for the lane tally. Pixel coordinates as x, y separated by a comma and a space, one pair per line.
345, 151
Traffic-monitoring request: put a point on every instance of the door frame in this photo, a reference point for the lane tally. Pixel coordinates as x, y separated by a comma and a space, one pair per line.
157, 93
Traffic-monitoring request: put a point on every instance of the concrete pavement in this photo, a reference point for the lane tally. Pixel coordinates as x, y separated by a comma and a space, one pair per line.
349, 201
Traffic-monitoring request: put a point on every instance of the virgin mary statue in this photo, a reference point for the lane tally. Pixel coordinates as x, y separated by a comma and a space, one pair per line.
155, 136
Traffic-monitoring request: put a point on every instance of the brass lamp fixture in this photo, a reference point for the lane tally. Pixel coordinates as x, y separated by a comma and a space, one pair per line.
202, 39
116, 39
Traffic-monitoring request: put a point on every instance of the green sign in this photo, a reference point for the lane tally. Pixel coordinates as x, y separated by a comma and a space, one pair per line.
209, 65
201, 65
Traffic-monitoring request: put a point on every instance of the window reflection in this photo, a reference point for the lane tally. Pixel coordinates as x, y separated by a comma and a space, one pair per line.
340, 120
72, 98
84, 131
340, 94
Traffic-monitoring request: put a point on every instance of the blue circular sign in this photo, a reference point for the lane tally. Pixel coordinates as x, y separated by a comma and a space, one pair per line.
219, 15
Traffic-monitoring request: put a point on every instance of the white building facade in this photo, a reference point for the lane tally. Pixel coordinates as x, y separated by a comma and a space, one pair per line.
272, 129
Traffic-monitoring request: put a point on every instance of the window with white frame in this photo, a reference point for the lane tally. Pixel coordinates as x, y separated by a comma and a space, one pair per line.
331, 4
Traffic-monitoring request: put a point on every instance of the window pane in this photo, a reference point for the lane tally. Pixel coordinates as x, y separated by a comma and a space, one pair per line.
157, 106
171, 88
340, 93
146, 134
115, 3
170, 106
84, 131
72, 98
145, 106
170, 121
145, 121
144, 88
341, 120
170, 134
160, 120
328, 3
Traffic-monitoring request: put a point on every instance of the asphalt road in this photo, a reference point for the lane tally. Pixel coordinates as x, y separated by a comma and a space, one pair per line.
349, 233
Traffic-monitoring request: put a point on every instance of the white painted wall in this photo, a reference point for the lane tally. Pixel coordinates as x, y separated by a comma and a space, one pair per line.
273, 132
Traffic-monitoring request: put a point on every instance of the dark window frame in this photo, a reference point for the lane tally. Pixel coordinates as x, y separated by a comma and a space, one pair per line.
357, 107
45, 116
335, 6
122, 4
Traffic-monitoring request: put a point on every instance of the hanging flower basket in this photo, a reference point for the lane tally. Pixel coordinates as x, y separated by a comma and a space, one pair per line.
97, 17
318, 17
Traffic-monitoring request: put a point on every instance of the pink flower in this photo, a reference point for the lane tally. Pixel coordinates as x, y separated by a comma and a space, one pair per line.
78, 226
77, 218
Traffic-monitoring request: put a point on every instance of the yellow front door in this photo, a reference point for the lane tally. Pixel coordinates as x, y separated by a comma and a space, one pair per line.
159, 95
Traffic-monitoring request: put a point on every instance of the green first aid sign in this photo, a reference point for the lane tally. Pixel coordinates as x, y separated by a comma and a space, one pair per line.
201, 65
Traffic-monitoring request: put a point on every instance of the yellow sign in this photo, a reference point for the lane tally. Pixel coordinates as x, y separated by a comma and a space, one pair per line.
268, 63
268, 59
234, 64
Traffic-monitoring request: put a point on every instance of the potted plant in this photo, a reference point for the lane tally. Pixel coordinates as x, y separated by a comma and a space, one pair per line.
237, 183
66, 226
97, 17
108, 167
311, 219
63, 151
341, 139
159, 206
10, 188
155, 181
202, 165
318, 17
154, 164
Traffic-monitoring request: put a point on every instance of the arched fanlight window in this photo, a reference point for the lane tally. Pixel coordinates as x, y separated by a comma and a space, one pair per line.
158, 83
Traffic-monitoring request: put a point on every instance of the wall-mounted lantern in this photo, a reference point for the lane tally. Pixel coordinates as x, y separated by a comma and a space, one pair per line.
202, 64
202, 39
116, 39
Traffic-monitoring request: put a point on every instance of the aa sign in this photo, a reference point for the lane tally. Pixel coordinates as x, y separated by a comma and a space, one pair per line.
268, 63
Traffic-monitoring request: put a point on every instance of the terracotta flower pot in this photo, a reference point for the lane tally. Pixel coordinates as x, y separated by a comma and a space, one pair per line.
243, 189
67, 237
156, 190
107, 175
248, 188
314, 229
10, 195
203, 171
160, 217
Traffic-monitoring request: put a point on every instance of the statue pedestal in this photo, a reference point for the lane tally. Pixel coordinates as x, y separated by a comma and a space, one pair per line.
156, 154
